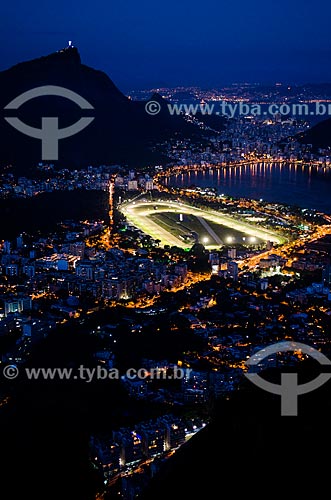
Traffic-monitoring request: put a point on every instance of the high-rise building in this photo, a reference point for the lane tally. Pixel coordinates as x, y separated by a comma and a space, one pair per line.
6, 247
233, 270
174, 431
85, 269
17, 305
119, 181
132, 185
130, 446
112, 289
232, 253
149, 186
107, 456
11, 270
269, 245
264, 284
149, 286
152, 436
19, 241
214, 261
77, 249
13, 306
181, 270
29, 270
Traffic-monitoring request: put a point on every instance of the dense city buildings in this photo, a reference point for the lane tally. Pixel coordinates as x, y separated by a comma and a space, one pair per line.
231, 274
156, 261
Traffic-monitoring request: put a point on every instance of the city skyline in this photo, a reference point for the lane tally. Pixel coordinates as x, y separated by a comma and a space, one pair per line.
165, 247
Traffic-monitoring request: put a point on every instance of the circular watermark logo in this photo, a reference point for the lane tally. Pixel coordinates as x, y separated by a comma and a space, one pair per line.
10, 372
49, 133
289, 388
153, 108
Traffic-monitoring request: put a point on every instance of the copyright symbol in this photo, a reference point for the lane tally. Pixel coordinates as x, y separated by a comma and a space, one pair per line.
10, 371
153, 108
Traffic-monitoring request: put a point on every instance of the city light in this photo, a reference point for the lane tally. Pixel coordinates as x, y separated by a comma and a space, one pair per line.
164, 266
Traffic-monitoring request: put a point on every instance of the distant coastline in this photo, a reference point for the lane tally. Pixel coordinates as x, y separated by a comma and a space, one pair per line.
292, 183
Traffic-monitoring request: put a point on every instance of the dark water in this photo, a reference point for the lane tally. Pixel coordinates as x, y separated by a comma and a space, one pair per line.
307, 187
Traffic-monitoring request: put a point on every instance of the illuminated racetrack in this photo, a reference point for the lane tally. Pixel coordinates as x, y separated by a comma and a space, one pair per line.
139, 214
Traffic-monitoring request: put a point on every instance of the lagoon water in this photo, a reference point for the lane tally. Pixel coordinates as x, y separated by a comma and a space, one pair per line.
302, 185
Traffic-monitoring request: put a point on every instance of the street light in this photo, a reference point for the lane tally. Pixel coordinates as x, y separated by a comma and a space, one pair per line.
205, 239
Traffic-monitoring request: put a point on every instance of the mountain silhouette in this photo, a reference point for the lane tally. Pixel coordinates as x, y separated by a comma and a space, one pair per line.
319, 135
249, 447
121, 132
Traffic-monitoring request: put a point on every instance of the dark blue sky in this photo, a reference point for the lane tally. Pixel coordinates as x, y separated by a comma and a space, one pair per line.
177, 42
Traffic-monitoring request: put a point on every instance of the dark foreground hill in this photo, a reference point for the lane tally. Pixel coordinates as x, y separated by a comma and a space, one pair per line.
121, 132
249, 450
319, 135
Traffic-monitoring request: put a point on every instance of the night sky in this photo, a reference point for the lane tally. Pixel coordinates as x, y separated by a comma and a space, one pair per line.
178, 42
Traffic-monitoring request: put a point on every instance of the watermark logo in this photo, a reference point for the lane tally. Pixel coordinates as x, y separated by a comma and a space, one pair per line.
289, 389
50, 133
242, 109
88, 374
10, 372
152, 108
